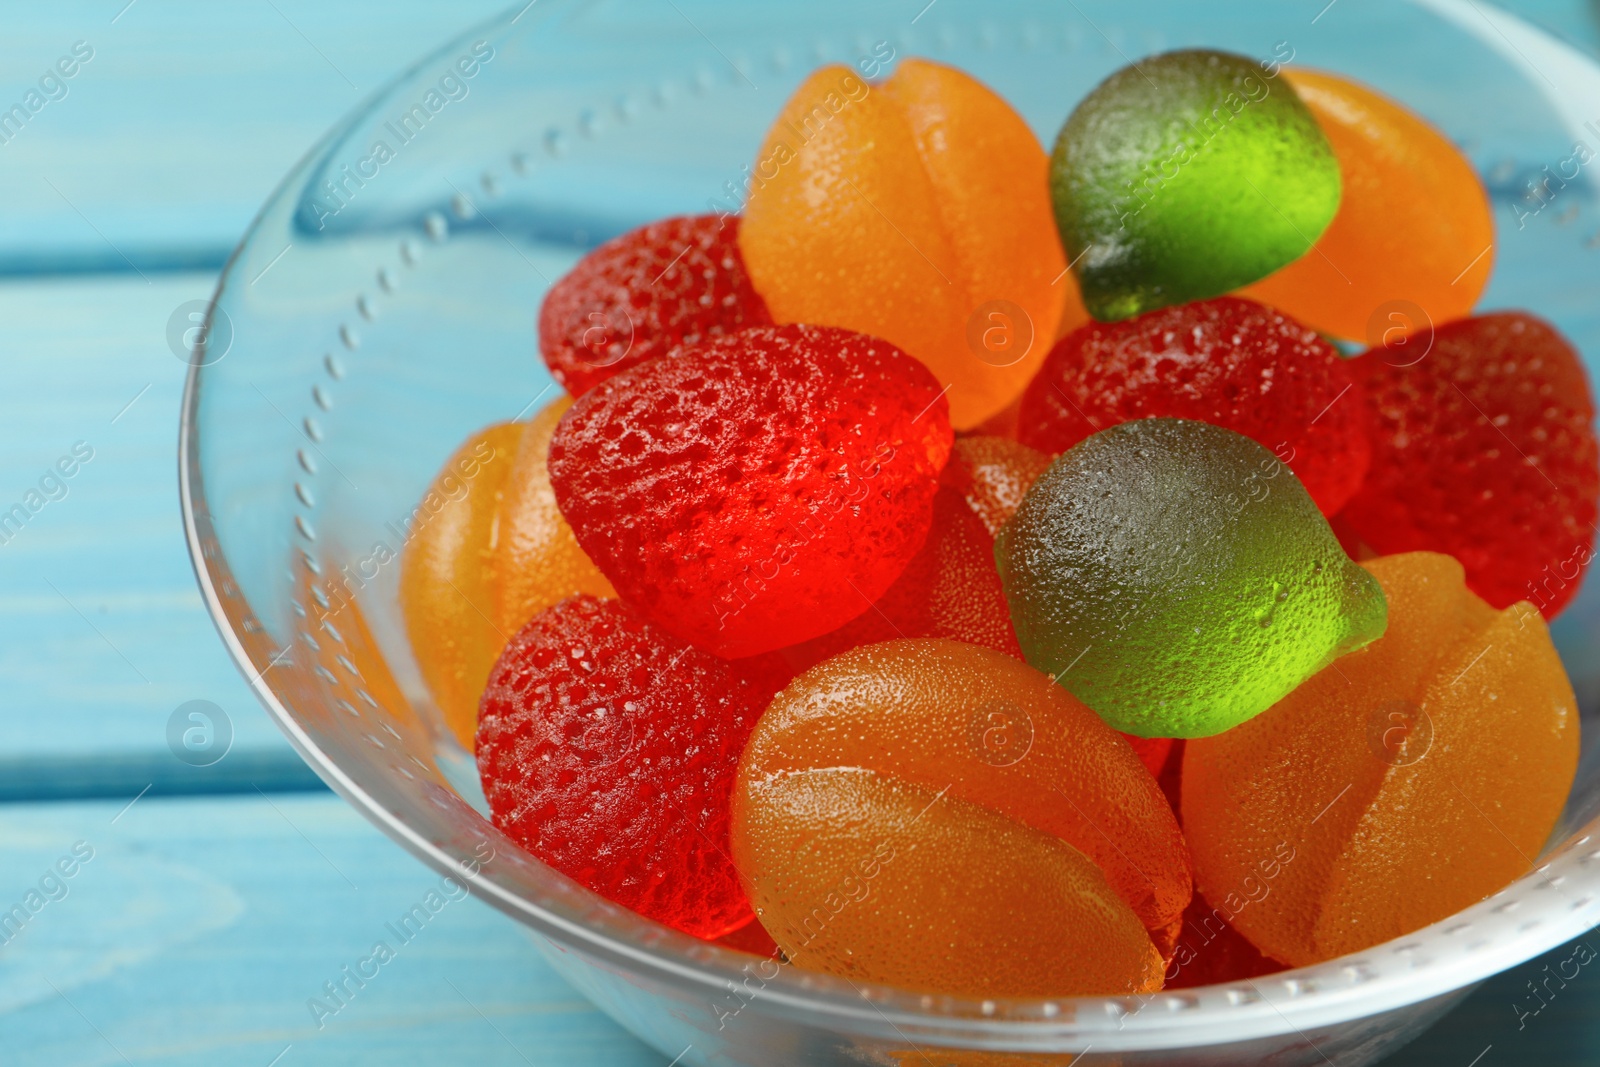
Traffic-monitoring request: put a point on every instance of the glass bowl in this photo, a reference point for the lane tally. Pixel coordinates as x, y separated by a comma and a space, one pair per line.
382, 307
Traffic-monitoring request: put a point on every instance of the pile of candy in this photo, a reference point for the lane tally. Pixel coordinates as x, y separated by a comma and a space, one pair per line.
839, 606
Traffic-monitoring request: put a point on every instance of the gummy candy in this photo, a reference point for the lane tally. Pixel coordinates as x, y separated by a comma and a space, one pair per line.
1227, 361
1484, 448
914, 210
830, 837
1153, 752
757, 489
536, 560
913, 780
949, 589
753, 938
993, 474
1209, 951
1403, 783
1185, 176
608, 749
1412, 243
445, 587
944, 713
677, 281
1177, 580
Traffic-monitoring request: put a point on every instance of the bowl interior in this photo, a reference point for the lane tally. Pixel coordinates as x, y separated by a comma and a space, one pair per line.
383, 307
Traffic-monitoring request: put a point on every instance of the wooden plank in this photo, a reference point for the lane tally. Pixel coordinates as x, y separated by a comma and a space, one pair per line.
102, 631
166, 140
198, 931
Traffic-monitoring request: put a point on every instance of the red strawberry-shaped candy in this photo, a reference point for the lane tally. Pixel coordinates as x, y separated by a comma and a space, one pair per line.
638, 296
1228, 361
1484, 448
607, 748
756, 489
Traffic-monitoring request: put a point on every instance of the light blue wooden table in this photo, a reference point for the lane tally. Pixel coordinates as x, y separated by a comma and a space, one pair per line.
206, 908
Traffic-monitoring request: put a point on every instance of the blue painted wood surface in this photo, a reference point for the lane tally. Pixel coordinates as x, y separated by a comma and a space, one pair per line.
203, 933
201, 927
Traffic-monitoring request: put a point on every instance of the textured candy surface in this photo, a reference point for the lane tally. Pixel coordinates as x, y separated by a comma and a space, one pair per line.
879, 880
445, 590
949, 589
1413, 232
956, 718
1388, 775
1185, 177
608, 749
638, 296
1178, 580
914, 210
535, 560
757, 489
1229, 362
1484, 449
993, 474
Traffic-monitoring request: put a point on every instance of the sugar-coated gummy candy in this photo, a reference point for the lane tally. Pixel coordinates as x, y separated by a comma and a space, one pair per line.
1227, 361
608, 748
1015, 844
1413, 241
676, 281
1484, 448
535, 561
993, 474
1187, 175
756, 489
445, 587
949, 589
914, 210
1178, 579
1408, 781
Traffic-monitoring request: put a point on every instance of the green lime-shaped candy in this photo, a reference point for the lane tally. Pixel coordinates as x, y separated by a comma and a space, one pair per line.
1186, 176
1177, 578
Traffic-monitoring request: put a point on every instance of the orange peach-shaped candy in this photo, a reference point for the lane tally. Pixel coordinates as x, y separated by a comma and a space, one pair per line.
939, 815
1413, 230
917, 211
444, 575
1396, 787
536, 560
